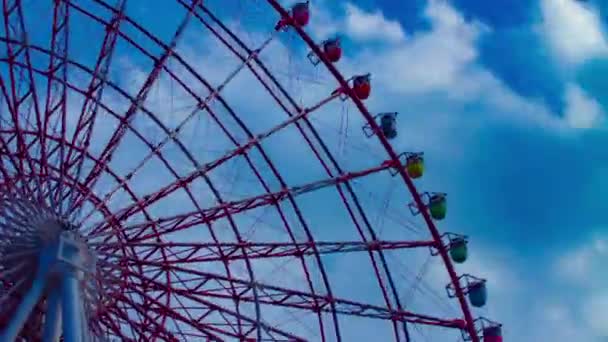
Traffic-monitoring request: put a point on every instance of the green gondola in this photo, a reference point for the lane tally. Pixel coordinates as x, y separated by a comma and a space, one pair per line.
438, 206
458, 250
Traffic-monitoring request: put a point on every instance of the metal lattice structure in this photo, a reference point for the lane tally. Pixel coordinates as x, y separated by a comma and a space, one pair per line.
113, 227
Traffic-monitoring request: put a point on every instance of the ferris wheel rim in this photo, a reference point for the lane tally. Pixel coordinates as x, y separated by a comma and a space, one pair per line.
359, 104
469, 320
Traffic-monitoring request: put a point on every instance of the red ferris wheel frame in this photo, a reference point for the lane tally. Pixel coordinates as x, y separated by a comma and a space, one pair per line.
72, 156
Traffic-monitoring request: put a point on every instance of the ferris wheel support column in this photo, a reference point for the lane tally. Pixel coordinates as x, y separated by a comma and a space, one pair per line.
52, 317
72, 310
57, 271
72, 254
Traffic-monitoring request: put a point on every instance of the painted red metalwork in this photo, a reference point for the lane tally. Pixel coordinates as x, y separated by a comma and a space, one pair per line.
142, 94
56, 94
353, 212
241, 150
187, 253
88, 113
137, 247
208, 283
183, 221
22, 87
470, 325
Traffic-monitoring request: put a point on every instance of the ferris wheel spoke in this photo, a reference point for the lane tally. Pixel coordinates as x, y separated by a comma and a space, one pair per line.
23, 89
90, 107
92, 197
110, 323
252, 55
74, 88
144, 330
56, 92
7, 179
83, 92
18, 174
142, 95
277, 92
47, 191
204, 104
184, 221
187, 253
198, 270
213, 285
210, 309
206, 168
108, 263
210, 329
163, 310
78, 186
121, 316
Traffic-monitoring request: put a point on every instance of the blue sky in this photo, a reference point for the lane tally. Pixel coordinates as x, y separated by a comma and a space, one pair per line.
528, 179
508, 101
509, 106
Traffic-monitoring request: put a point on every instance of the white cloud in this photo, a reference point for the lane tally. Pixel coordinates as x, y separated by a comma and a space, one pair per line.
579, 264
430, 61
576, 265
581, 110
583, 267
565, 324
441, 60
595, 311
573, 30
322, 23
368, 26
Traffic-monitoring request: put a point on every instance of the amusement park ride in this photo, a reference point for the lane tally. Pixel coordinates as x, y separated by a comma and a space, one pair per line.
57, 278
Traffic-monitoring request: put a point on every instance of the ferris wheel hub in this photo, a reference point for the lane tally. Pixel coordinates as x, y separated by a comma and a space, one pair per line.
44, 257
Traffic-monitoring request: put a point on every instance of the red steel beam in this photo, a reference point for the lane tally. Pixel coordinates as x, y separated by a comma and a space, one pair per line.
184, 221
22, 87
188, 253
141, 97
470, 323
211, 285
206, 168
56, 92
88, 113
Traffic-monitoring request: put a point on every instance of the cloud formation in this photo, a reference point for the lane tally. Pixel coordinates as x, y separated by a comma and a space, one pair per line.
582, 270
573, 29
581, 110
369, 26
431, 71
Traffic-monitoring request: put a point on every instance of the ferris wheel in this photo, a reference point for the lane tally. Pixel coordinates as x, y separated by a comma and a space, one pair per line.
155, 192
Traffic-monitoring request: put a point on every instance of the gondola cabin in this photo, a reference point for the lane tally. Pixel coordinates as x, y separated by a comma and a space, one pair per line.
492, 334
478, 293
362, 86
388, 125
438, 206
458, 250
300, 13
415, 166
332, 50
